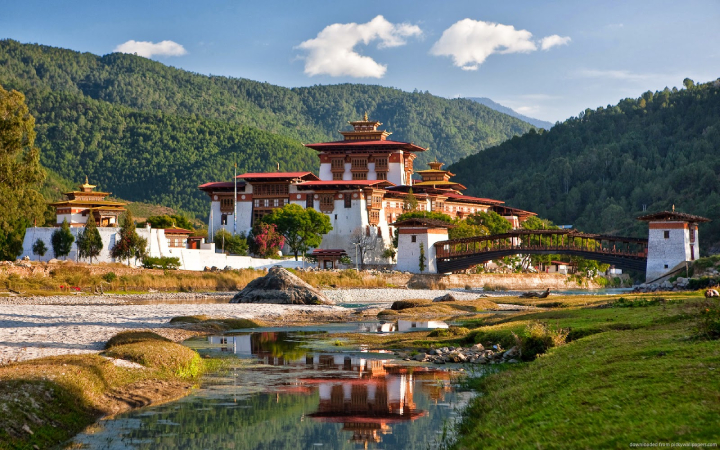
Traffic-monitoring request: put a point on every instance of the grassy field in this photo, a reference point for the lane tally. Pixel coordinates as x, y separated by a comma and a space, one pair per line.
59, 279
45, 401
639, 370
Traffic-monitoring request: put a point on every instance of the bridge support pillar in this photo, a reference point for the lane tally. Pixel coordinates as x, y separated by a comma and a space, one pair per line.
414, 234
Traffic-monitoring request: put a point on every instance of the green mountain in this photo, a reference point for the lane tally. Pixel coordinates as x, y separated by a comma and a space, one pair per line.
151, 132
601, 170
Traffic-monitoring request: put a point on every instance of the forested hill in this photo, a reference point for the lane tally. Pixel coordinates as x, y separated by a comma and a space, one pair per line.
450, 128
599, 170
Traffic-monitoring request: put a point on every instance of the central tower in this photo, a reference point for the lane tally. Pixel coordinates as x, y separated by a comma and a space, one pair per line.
365, 153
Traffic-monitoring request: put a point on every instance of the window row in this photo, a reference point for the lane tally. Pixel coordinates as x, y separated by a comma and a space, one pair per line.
270, 202
270, 189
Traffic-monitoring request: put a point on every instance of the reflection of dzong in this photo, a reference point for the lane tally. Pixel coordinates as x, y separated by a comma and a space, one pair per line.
381, 395
274, 348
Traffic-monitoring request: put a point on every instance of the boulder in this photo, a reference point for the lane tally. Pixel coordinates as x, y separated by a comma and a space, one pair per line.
445, 298
281, 287
420, 357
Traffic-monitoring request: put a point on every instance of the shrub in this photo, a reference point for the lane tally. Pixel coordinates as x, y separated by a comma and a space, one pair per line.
387, 312
494, 287
538, 338
406, 304
452, 331
109, 277
622, 302
708, 326
161, 262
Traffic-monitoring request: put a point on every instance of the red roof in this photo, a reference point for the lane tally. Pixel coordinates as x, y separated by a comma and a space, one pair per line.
177, 231
472, 199
277, 175
385, 143
221, 185
346, 183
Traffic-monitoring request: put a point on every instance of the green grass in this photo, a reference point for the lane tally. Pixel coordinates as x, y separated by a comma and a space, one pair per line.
56, 397
637, 375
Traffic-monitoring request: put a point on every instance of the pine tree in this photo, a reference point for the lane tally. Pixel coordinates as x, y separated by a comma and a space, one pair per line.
20, 172
89, 242
62, 240
39, 248
422, 258
129, 245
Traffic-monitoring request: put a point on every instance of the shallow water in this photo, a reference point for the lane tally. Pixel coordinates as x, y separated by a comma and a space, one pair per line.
291, 389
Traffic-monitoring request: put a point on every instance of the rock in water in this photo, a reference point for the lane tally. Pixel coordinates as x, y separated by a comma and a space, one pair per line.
445, 298
281, 287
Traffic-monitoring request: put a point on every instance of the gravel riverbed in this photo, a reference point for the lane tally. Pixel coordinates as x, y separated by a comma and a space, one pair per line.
33, 327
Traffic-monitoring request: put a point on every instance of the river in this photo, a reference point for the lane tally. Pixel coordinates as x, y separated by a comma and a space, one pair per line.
295, 388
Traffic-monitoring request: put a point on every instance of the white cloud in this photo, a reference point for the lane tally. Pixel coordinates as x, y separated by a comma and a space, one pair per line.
333, 53
549, 42
469, 42
526, 109
149, 49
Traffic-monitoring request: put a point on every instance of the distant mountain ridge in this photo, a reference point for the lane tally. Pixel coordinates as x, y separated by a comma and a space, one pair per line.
511, 112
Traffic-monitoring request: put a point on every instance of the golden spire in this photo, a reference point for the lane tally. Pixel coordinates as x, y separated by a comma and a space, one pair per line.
365, 118
673, 207
86, 180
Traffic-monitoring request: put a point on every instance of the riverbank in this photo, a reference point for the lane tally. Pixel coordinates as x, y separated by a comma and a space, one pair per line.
32, 330
27, 279
48, 400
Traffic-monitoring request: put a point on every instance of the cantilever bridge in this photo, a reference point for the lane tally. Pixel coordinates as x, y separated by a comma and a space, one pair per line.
622, 252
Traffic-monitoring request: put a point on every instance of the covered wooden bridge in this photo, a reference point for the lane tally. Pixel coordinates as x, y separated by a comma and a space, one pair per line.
460, 254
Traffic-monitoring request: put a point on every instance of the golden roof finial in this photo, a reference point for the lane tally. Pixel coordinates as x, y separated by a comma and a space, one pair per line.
365, 118
673, 207
86, 180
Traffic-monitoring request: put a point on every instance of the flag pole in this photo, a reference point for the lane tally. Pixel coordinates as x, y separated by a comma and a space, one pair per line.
235, 203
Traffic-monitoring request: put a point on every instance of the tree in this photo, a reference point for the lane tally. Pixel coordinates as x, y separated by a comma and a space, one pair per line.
365, 242
169, 221
421, 259
268, 241
89, 242
688, 83
20, 171
411, 202
39, 248
494, 222
463, 229
129, 244
303, 228
236, 245
62, 240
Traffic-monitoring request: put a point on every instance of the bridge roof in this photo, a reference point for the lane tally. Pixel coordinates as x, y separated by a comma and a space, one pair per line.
670, 216
562, 231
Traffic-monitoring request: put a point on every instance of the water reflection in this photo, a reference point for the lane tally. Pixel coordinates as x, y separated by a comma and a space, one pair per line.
365, 394
401, 326
295, 397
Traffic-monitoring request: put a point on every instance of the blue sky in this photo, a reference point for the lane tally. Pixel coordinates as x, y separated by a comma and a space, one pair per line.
594, 53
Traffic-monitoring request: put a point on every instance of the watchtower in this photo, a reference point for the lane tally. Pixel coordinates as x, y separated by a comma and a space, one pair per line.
412, 233
672, 240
